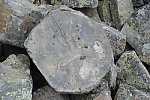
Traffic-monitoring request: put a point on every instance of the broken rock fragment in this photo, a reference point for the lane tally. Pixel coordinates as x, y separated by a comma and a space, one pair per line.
137, 31
71, 51
133, 72
15, 79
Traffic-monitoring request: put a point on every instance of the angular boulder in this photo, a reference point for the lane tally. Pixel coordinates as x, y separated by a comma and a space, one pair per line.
71, 51
15, 79
18, 17
133, 72
127, 92
47, 93
137, 3
137, 31
80, 3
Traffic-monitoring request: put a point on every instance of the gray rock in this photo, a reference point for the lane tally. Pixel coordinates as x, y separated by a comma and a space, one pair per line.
115, 12
102, 92
137, 31
81, 3
133, 72
18, 19
73, 53
116, 38
47, 93
127, 92
15, 81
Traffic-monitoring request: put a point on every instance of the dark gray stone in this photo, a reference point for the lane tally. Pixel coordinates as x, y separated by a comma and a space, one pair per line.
137, 31
47, 93
81, 3
18, 18
133, 72
71, 51
15, 79
127, 92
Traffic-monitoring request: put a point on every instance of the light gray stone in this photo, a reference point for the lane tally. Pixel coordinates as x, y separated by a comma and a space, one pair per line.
137, 31
71, 51
15, 79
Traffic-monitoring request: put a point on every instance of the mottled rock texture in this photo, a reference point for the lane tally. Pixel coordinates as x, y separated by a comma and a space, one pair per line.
137, 31
15, 79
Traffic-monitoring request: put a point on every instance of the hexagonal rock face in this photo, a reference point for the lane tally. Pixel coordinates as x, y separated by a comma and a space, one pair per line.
81, 3
133, 72
71, 51
137, 31
15, 81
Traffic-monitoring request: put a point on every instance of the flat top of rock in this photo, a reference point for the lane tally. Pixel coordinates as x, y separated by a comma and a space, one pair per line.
71, 51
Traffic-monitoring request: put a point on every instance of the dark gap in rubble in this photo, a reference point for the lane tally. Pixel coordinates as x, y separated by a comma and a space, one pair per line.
8, 50
114, 91
38, 79
147, 66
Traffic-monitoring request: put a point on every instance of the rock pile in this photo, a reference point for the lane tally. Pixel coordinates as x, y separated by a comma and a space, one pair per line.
74, 49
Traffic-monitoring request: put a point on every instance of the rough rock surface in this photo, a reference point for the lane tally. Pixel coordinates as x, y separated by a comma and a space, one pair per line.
18, 17
15, 81
127, 92
102, 92
115, 12
116, 38
137, 31
47, 93
75, 51
81, 3
133, 72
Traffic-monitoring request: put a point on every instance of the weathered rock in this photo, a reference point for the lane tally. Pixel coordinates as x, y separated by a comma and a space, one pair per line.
73, 53
18, 19
115, 12
47, 93
133, 72
137, 31
102, 92
81, 3
127, 92
15, 81
116, 38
